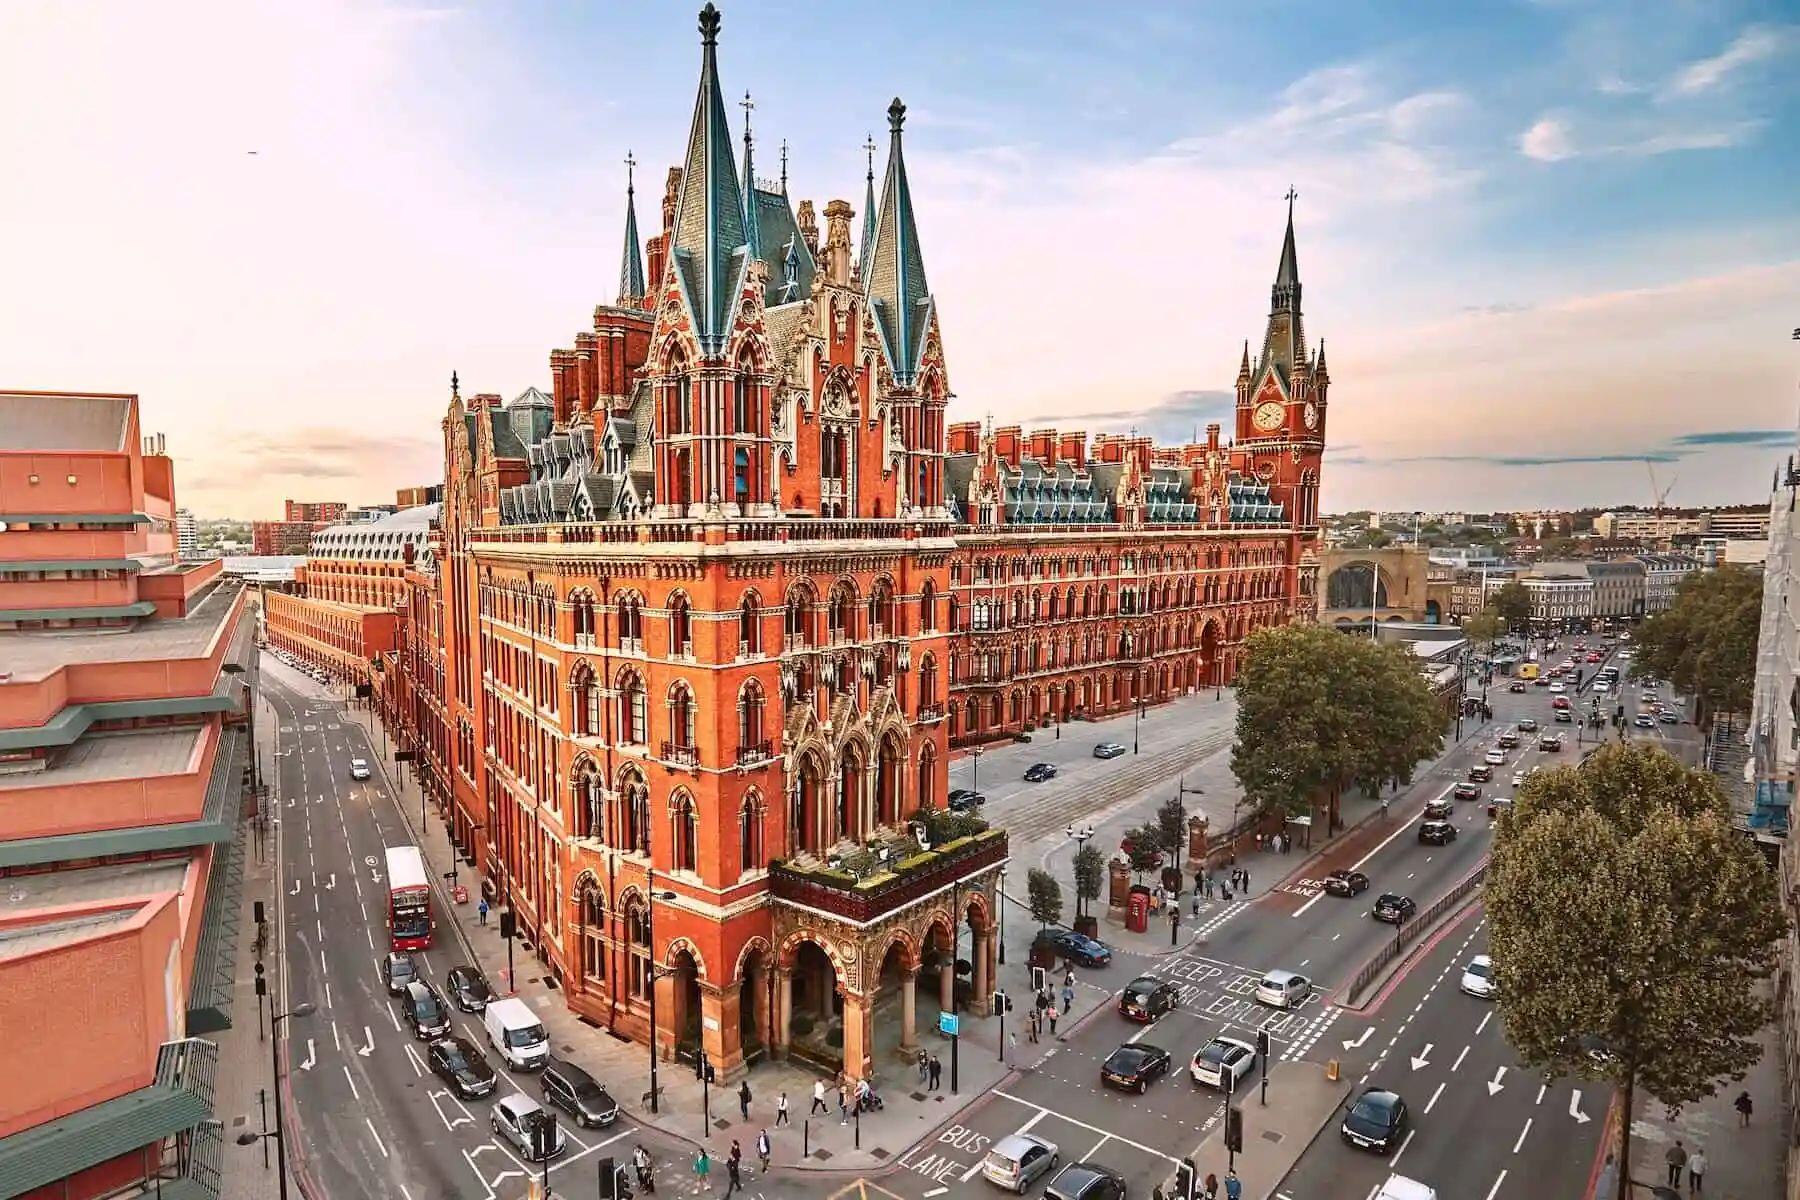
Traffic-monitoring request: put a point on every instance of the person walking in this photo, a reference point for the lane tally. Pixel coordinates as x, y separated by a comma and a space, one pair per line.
744, 1099
763, 1149
843, 1104
1068, 997
1696, 1171
818, 1104
646, 1173
734, 1180
1012, 1048
924, 1066
781, 1112
1676, 1157
1743, 1106
1156, 1193
1234, 1187
1031, 1026
1246, 881
937, 1072
1212, 1186
1051, 1013
702, 1166
481, 910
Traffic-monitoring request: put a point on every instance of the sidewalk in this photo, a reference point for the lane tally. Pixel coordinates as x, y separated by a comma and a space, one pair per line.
1301, 1103
1742, 1163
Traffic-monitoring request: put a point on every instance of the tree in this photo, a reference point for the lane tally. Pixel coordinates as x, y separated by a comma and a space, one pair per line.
1044, 895
1513, 602
1146, 848
1090, 872
1171, 828
1705, 644
1484, 629
1630, 924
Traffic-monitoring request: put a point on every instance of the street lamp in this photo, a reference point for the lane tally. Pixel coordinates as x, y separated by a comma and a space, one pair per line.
247, 1138
650, 936
1080, 834
1002, 907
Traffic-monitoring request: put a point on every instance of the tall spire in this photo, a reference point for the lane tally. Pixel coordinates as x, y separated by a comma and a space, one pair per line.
709, 216
752, 228
1284, 345
631, 264
898, 293
783, 169
1286, 292
868, 229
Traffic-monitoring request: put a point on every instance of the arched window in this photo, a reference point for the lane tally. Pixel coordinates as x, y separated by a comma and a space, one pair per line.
634, 805
686, 832
681, 627
676, 406
634, 717
927, 683
750, 722
797, 619
593, 933
740, 476
950, 614
585, 687
590, 804
881, 609
927, 608
681, 720
928, 775
581, 606
637, 932
750, 626
840, 614
631, 622
750, 836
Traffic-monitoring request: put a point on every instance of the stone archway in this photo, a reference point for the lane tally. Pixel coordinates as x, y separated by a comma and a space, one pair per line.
755, 1000
683, 989
810, 1008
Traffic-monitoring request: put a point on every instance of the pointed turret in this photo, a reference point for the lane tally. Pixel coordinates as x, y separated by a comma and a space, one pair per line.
708, 253
752, 228
895, 282
631, 263
1284, 345
1244, 365
868, 229
1286, 292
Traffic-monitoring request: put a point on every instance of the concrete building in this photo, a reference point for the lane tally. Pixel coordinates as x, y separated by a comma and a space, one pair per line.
1385, 585
1562, 594
123, 750
1663, 573
187, 534
1618, 589
1660, 528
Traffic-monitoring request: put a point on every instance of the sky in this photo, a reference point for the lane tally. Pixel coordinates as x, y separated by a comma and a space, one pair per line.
1544, 241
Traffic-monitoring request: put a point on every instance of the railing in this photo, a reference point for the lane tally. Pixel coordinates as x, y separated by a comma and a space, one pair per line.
856, 903
1413, 930
755, 752
757, 529
931, 712
687, 756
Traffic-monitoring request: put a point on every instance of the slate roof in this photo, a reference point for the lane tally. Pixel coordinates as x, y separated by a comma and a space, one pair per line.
898, 293
709, 252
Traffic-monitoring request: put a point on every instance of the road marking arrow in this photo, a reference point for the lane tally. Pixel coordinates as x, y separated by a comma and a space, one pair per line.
296, 890
333, 882
311, 1057
369, 1046
1423, 1057
1581, 1118
1353, 1043
1494, 1084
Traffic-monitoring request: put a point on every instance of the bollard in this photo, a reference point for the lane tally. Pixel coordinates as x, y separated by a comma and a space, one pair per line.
1331, 1070
806, 1138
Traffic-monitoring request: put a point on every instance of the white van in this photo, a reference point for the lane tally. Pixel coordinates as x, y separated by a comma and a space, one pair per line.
1399, 1187
516, 1033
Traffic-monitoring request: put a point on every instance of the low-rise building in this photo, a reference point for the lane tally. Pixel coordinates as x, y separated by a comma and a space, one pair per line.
1618, 589
1663, 573
1562, 594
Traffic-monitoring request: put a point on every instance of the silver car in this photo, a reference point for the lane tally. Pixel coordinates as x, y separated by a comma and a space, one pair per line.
1018, 1159
532, 1130
1283, 989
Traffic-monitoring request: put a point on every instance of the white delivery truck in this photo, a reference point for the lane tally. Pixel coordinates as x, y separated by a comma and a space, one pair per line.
1399, 1187
516, 1033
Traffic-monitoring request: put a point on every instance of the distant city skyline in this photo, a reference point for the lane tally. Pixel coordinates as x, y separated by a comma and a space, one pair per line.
1546, 241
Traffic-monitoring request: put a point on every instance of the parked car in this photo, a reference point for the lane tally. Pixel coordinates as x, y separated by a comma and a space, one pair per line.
359, 768
1108, 750
965, 800
1468, 791
568, 1087
1134, 1066
1346, 883
1478, 977
1393, 908
533, 1132
1078, 947
469, 991
1221, 1059
1039, 772
460, 1064
1147, 998
1437, 833
1376, 1122
1018, 1160
1283, 989
1480, 773
398, 970
1086, 1181
425, 1010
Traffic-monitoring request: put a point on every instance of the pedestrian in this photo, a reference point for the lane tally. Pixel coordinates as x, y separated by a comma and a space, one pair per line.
481, 910
744, 1099
1068, 976
1199, 880
1743, 1106
734, 1181
1068, 997
843, 1104
1696, 1171
1156, 1193
1676, 1157
1212, 1186
646, 1175
1246, 881
781, 1113
1031, 1026
937, 1072
1234, 1187
1012, 1048
818, 1104
702, 1166
763, 1149
924, 1066
1051, 1013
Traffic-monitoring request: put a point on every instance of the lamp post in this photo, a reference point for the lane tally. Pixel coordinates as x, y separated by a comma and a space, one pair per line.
1002, 907
1080, 834
247, 1138
650, 935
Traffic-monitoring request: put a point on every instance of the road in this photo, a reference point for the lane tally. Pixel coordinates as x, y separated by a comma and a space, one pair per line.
369, 1118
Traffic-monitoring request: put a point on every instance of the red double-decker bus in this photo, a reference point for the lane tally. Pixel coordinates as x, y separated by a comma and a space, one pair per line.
409, 899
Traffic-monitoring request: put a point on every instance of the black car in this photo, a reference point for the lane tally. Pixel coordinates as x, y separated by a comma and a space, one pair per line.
1480, 773
1437, 833
1086, 1181
1393, 909
1550, 744
1517, 685
461, 1065
1108, 750
1038, 772
1346, 883
1147, 998
1077, 947
425, 1010
1527, 725
1438, 810
1377, 1121
1468, 791
469, 991
965, 800
568, 1087
398, 970
1134, 1066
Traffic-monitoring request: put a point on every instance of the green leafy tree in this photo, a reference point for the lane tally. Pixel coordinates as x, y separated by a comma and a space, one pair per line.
1630, 926
1513, 603
1044, 895
1484, 629
1705, 644
1146, 848
1090, 873
1171, 828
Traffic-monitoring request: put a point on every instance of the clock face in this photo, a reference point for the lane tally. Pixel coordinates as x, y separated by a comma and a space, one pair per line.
1268, 415
1312, 415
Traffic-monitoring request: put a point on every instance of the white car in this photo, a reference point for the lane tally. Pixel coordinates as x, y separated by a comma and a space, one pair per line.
359, 768
1494, 757
1558, 687
1283, 989
1220, 1058
1478, 977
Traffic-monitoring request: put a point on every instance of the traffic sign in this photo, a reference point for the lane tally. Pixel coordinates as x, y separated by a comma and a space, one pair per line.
947, 1022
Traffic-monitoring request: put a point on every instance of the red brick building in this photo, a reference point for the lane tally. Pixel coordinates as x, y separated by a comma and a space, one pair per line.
694, 634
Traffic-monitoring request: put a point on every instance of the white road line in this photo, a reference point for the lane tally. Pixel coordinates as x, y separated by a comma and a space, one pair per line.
1459, 1058
1395, 1161
1542, 1088
1084, 1125
376, 1136
1522, 1134
352, 1080
1484, 1020
1309, 903
387, 1008
1495, 1190
335, 1043
323, 968
938, 1191
1434, 1097
1405, 827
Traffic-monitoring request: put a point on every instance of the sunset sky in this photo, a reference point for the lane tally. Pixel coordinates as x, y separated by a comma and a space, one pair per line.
1543, 241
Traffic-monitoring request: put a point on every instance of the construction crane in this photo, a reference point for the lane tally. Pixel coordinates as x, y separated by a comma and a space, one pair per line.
1659, 492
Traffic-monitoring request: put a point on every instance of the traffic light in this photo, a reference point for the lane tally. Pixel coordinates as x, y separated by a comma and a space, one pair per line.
262, 985
543, 1137
1262, 1048
1234, 1130
1184, 1179
256, 911
509, 925
1002, 1003
609, 1178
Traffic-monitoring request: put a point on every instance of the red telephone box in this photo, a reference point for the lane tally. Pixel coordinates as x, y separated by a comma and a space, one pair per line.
1137, 913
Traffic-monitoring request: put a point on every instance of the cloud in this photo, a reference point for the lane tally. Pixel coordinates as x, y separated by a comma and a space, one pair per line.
1542, 460
1175, 418
1738, 437
318, 453
1547, 141
1755, 44
1502, 308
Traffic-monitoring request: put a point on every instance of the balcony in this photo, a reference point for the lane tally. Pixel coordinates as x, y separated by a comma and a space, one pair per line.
687, 756
930, 712
754, 753
905, 883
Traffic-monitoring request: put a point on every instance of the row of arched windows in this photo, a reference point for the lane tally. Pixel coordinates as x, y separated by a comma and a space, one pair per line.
847, 617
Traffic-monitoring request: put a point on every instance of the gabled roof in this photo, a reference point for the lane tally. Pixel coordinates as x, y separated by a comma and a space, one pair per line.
782, 245
898, 293
709, 254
